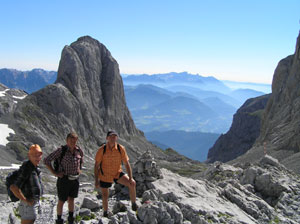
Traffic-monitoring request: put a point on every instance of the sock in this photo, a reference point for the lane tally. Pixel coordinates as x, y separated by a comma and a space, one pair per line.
71, 214
58, 217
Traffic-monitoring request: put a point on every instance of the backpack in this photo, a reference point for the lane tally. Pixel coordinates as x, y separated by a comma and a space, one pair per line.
58, 160
104, 150
11, 179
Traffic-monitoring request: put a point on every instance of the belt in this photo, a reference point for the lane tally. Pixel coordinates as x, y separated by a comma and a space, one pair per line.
73, 177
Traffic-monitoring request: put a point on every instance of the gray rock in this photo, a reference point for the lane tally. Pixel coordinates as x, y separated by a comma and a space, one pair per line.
90, 203
174, 212
269, 186
269, 160
177, 199
87, 98
243, 132
119, 207
85, 212
280, 119
150, 195
9, 99
145, 171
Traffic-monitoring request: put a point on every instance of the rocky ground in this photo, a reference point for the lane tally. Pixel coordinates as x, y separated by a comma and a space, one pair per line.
265, 192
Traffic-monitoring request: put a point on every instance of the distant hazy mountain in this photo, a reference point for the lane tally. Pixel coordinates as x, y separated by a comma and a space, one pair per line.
260, 87
186, 101
194, 145
173, 78
180, 113
29, 81
244, 94
145, 96
235, 98
154, 108
203, 94
200, 87
219, 106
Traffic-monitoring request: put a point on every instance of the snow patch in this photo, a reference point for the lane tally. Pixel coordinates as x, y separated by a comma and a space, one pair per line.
19, 97
2, 93
4, 133
12, 166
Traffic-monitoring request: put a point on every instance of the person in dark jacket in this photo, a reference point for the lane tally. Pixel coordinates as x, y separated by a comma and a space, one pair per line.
67, 175
28, 187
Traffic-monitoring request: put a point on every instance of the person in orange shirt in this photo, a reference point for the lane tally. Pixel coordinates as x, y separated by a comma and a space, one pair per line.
108, 169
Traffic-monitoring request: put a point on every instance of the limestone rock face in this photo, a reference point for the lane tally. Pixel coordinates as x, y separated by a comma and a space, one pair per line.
92, 77
9, 99
259, 193
280, 127
243, 132
87, 98
281, 119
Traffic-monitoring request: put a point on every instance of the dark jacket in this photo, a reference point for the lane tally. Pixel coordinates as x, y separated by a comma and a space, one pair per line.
29, 181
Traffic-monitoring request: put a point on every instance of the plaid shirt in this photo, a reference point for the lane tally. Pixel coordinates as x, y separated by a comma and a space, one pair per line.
70, 163
111, 162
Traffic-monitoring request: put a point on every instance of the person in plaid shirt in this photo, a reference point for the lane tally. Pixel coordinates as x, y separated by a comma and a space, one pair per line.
108, 169
67, 174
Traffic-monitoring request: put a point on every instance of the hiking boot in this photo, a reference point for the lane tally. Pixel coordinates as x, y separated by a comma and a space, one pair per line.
134, 206
70, 220
59, 221
107, 214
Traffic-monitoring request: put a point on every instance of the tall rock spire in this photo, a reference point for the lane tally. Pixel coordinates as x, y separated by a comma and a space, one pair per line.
92, 76
280, 127
87, 97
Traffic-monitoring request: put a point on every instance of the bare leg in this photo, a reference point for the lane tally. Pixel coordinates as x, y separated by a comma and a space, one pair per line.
105, 193
124, 180
71, 205
60, 206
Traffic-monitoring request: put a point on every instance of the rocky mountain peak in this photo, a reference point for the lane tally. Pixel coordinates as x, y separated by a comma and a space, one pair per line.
92, 76
87, 98
280, 127
243, 132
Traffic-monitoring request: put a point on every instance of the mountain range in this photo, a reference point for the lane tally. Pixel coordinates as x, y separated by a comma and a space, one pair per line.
202, 103
29, 81
85, 98
258, 187
162, 102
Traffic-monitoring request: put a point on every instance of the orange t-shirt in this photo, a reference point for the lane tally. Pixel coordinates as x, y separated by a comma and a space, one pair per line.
111, 162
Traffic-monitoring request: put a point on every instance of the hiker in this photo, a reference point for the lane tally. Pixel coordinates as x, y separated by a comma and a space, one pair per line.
28, 187
70, 159
108, 169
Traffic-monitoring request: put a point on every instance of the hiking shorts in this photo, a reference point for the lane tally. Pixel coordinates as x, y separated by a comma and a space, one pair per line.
107, 184
67, 188
28, 212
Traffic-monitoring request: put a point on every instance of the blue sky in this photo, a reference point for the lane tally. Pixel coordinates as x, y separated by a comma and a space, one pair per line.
230, 40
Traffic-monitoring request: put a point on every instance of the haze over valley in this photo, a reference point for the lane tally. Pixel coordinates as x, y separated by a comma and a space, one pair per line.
199, 108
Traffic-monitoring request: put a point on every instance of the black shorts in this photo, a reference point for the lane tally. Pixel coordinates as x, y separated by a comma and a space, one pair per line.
67, 188
107, 184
